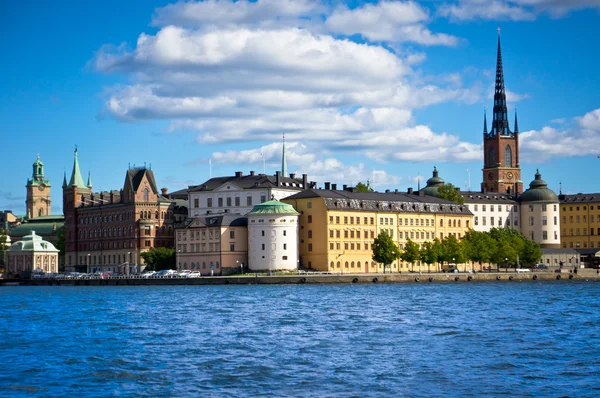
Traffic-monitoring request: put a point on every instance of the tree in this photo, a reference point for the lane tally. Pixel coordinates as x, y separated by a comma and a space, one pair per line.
159, 258
385, 250
428, 254
531, 253
449, 192
411, 253
509, 245
478, 246
453, 250
360, 187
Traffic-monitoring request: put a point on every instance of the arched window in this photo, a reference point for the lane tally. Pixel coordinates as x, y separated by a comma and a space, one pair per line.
346, 264
491, 158
332, 265
146, 194
508, 156
41, 212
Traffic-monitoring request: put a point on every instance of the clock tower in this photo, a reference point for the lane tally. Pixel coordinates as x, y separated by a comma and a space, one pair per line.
38, 201
501, 169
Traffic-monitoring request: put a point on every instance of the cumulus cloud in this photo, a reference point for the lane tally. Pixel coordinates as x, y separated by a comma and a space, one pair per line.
582, 138
396, 21
513, 10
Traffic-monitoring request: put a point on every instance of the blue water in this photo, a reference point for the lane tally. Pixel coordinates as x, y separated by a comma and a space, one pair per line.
363, 340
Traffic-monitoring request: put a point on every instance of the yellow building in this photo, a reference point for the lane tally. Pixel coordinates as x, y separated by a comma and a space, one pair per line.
580, 221
337, 227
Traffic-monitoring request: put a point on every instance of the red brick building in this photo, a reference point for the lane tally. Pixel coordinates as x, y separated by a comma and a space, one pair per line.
107, 231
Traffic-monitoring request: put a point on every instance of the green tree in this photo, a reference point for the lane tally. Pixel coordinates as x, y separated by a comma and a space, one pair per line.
509, 245
410, 253
438, 251
385, 250
478, 246
360, 187
159, 258
531, 253
449, 192
453, 250
428, 254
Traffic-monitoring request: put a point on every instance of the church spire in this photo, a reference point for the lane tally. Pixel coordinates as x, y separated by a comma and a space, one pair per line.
89, 184
283, 160
484, 122
76, 179
64, 180
516, 123
500, 119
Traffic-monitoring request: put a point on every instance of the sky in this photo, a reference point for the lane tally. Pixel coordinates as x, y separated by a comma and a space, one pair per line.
363, 90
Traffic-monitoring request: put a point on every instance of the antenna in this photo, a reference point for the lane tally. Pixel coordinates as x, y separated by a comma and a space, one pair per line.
469, 176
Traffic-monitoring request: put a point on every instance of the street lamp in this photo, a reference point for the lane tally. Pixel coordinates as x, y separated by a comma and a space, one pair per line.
178, 262
505, 264
89, 262
128, 262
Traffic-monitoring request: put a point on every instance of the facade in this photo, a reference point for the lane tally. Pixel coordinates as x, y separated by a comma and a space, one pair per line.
540, 215
337, 227
273, 237
38, 202
213, 244
580, 220
31, 254
239, 193
501, 168
108, 231
560, 257
492, 210
8, 219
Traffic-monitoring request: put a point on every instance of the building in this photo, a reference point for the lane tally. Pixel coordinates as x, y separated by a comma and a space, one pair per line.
8, 220
38, 202
239, 193
540, 214
501, 168
337, 227
273, 237
213, 244
108, 231
580, 220
31, 254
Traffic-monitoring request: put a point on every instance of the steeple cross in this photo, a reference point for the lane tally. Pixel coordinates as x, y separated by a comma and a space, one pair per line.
498, 30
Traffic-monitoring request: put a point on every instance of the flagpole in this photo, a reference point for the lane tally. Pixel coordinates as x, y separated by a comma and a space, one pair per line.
264, 167
209, 167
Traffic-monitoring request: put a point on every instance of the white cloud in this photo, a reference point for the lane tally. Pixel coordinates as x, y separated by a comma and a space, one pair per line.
394, 21
514, 10
548, 143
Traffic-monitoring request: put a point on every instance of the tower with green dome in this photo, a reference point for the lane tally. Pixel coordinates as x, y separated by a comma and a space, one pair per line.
38, 202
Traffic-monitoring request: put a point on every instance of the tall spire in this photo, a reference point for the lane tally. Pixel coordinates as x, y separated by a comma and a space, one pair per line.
484, 122
89, 184
283, 160
516, 123
500, 119
76, 179
65, 180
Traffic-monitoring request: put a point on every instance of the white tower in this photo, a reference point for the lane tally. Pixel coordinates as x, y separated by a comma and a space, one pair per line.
273, 237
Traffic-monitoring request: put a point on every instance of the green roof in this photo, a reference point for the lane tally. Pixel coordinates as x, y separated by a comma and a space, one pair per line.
40, 228
538, 191
273, 207
33, 242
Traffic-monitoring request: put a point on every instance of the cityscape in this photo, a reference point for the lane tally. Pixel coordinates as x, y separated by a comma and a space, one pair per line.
300, 198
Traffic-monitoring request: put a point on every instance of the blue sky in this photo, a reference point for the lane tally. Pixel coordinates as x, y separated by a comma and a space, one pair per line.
382, 91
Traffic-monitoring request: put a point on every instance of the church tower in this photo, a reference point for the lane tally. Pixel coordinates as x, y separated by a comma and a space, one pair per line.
38, 202
501, 169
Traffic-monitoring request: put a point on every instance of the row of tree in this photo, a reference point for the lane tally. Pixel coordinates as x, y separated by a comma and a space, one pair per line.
498, 246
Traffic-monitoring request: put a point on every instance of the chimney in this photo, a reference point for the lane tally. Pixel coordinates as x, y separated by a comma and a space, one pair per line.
396, 190
251, 172
278, 178
456, 189
305, 181
334, 187
327, 185
410, 191
387, 191
345, 186
164, 191
238, 174
292, 176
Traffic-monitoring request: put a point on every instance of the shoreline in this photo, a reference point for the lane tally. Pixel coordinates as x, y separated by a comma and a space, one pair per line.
250, 279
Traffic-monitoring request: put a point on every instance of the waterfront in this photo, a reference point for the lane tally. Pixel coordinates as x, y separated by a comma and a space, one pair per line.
529, 338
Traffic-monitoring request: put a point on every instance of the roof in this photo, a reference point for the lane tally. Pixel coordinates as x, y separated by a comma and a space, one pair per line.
559, 251
136, 175
181, 194
538, 191
76, 178
580, 198
251, 181
273, 207
433, 184
34, 243
215, 220
488, 197
42, 228
379, 201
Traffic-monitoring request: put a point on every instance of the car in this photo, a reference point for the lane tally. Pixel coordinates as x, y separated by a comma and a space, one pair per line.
170, 273
194, 274
540, 266
148, 274
184, 274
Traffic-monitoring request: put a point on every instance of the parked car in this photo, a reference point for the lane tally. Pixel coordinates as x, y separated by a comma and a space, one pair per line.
148, 274
540, 266
185, 273
194, 274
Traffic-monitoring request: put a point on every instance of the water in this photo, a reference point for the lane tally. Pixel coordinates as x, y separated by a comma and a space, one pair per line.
362, 340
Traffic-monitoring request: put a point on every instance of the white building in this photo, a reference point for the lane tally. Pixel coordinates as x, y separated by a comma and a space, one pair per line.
240, 193
540, 219
273, 237
30, 254
492, 210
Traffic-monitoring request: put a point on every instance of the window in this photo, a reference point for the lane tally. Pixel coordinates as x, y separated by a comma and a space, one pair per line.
483, 207
237, 201
491, 158
309, 219
209, 202
232, 247
147, 231
531, 221
248, 200
220, 202
146, 194
346, 234
229, 201
331, 233
309, 205
196, 204
508, 156
309, 234
310, 247
544, 220
285, 246
491, 208
544, 208
263, 198
345, 220
476, 207
263, 233
544, 235
263, 246
231, 234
